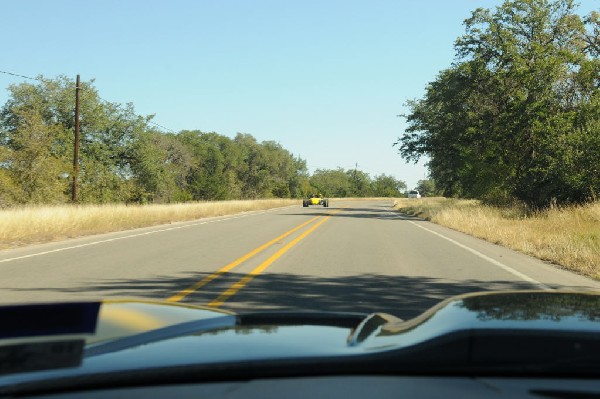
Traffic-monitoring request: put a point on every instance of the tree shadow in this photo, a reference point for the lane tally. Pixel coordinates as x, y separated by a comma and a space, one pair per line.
360, 213
403, 296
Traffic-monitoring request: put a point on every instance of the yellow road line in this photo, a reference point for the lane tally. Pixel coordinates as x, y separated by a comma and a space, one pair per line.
182, 294
234, 288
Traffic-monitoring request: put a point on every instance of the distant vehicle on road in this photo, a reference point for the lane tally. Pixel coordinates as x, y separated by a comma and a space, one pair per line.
314, 199
414, 194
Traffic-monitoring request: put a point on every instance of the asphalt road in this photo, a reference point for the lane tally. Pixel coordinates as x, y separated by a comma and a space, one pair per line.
354, 256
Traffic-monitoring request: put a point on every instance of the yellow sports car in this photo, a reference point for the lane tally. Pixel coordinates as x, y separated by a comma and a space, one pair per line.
314, 199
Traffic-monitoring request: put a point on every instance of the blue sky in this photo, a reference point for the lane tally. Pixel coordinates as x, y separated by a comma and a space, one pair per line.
325, 78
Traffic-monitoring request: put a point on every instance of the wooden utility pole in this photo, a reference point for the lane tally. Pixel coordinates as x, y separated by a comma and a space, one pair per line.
76, 145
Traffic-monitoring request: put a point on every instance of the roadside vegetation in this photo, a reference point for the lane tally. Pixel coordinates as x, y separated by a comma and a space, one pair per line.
513, 125
126, 158
567, 236
37, 224
517, 115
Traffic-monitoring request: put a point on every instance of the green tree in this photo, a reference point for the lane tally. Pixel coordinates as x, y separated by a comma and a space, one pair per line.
35, 141
332, 183
280, 163
267, 169
161, 166
387, 186
252, 171
427, 188
123, 159
215, 159
526, 79
299, 181
360, 183
36, 130
34, 164
223, 168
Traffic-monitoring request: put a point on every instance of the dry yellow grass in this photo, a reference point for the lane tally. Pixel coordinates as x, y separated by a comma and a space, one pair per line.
569, 237
30, 225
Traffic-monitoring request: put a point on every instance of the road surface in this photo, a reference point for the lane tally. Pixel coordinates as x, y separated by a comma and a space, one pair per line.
359, 256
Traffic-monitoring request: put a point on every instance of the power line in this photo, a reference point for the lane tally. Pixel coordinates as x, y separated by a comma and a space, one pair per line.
21, 76
149, 122
162, 127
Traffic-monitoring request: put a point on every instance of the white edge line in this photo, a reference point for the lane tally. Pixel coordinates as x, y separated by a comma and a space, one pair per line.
139, 234
487, 258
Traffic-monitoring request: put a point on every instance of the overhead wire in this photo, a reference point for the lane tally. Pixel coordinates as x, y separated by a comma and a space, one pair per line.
20, 76
147, 121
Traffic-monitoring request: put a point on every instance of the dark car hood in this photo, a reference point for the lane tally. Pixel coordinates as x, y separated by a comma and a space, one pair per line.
489, 332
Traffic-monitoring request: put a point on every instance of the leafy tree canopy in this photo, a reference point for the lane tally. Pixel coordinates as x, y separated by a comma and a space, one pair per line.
517, 115
124, 158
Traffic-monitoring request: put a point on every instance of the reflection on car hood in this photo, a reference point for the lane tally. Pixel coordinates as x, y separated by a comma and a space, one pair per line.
483, 330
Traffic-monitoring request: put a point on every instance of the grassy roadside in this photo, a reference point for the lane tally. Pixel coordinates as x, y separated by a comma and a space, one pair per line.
569, 237
34, 225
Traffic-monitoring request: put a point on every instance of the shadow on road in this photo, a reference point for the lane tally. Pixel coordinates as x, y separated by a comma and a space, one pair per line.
404, 297
360, 213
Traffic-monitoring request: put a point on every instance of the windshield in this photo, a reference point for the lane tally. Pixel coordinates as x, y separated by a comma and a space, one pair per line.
298, 156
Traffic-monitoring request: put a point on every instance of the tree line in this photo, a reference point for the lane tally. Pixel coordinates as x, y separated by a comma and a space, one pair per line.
125, 158
517, 115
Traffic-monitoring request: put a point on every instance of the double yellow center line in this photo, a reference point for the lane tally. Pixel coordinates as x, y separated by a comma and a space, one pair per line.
234, 288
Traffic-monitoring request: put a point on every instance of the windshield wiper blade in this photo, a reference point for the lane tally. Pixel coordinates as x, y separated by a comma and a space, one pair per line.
160, 334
